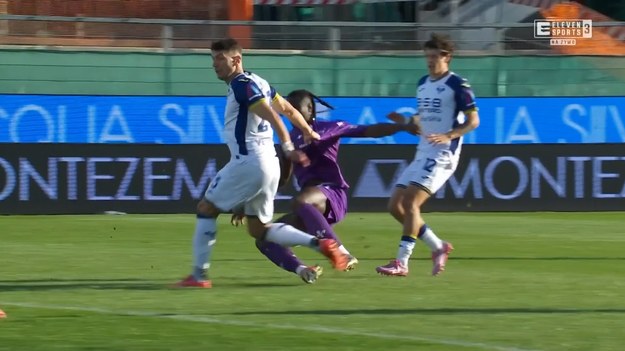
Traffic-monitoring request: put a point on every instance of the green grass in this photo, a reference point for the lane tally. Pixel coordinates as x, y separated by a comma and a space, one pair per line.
516, 281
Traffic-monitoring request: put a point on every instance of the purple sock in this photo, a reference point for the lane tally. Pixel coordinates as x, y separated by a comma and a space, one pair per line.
315, 223
281, 256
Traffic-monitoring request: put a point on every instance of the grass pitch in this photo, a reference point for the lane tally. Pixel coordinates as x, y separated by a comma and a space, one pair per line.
516, 281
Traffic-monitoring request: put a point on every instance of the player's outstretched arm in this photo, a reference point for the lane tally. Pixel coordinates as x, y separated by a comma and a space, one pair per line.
295, 117
401, 119
264, 111
380, 130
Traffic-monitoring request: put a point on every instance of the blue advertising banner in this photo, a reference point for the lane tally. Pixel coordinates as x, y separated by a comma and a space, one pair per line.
199, 120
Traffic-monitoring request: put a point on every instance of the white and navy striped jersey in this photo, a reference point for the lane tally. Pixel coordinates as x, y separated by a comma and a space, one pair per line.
246, 133
441, 104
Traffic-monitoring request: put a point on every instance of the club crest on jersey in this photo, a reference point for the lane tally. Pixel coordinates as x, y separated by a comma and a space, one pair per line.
440, 89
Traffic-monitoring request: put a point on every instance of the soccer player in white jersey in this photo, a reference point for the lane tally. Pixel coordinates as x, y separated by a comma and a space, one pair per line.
446, 112
251, 176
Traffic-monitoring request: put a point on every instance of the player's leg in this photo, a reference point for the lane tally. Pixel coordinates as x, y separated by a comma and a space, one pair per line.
284, 258
292, 219
223, 193
204, 239
319, 207
259, 212
312, 206
422, 178
281, 256
395, 206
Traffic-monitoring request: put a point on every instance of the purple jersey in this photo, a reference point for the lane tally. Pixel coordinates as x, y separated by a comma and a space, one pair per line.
323, 153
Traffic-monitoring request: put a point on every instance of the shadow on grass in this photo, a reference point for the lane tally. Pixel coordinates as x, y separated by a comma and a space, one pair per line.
440, 311
42, 285
124, 284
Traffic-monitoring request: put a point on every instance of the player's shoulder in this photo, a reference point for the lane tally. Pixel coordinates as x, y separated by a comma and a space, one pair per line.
247, 78
456, 82
260, 81
240, 82
422, 80
328, 126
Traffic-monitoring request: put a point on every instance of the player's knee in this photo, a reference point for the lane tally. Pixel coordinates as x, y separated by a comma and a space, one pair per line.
207, 209
256, 228
410, 204
394, 206
302, 200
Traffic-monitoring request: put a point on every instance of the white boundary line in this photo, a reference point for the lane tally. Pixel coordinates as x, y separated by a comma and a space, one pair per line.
313, 328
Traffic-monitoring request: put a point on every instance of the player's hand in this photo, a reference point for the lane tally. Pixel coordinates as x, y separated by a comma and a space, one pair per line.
436, 139
237, 219
409, 124
311, 136
298, 156
396, 118
412, 128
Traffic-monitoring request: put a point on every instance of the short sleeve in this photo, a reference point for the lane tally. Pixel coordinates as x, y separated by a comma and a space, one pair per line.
465, 99
246, 91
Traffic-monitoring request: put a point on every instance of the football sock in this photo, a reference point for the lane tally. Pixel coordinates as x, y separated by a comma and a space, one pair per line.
203, 242
406, 245
316, 224
287, 235
281, 256
429, 238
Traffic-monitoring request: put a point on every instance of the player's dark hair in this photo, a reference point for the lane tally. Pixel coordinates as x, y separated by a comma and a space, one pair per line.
296, 96
440, 42
227, 45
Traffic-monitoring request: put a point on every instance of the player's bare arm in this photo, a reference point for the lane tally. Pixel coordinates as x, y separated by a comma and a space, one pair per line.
401, 119
264, 111
472, 121
292, 114
380, 130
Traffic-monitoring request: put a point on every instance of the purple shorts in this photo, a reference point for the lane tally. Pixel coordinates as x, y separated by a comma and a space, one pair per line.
336, 205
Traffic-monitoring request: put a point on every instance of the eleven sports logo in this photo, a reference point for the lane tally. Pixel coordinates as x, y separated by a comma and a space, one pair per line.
563, 32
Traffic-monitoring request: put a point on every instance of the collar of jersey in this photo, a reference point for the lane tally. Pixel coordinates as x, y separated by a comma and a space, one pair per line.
436, 80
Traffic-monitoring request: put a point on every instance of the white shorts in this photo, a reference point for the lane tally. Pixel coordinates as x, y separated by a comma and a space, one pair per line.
429, 171
249, 181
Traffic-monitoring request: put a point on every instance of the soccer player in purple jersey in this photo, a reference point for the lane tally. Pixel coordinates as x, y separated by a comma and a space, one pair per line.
322, 200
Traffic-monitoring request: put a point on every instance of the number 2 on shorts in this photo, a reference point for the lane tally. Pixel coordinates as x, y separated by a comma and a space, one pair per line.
429, 165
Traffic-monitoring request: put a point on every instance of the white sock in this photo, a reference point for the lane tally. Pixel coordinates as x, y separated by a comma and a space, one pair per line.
299, 269
289, 236
430, 239
203, 242
343, 250
406, 245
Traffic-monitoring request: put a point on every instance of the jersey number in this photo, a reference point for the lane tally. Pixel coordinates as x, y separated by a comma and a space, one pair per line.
263, 126
429, 165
